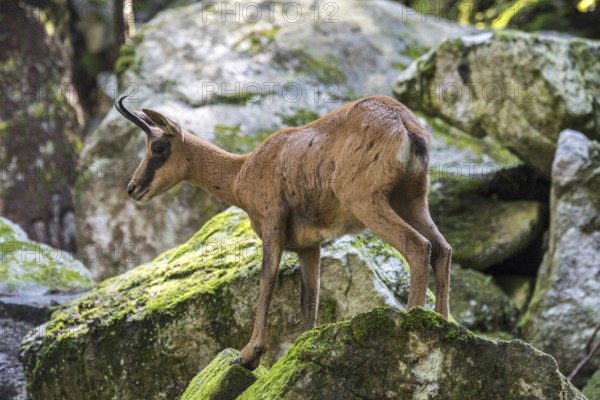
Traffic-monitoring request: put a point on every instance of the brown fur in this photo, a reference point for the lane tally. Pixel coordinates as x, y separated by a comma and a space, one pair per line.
362, 165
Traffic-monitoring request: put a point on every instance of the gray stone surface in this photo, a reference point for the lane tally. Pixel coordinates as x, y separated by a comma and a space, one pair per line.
566, 303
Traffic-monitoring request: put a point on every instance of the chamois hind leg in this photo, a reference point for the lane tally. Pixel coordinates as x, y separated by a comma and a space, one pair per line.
310, 263
377, 214
416, 213
273, 240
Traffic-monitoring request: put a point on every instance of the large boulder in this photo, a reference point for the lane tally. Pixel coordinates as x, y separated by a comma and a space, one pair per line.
34, 276
388, 354
522, 89
147, 332
40, 122
232, 79
565, 306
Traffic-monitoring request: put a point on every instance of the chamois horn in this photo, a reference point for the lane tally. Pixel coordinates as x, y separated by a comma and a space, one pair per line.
132, 116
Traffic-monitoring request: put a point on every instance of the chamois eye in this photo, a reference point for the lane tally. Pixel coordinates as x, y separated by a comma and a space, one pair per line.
159, 150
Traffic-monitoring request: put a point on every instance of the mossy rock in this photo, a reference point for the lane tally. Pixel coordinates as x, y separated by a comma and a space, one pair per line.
479, 304
389, 354
29, 269
521, 89
222, 381
146, 333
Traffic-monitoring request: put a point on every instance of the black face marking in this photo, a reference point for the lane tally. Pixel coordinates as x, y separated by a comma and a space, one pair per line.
371, 145
376, 157
161, 150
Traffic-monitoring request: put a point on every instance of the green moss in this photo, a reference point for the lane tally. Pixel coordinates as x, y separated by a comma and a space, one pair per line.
220, 380
376, 320
200, 267
413, 51
295, 363
592, 388
421, 319
9, 66
260, 40
327, 310
233, 139
127, 58
301, 117
382, 251
400, 66
325, 68
26, 263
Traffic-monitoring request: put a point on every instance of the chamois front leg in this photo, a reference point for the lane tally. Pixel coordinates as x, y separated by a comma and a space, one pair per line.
273, 240
310, 266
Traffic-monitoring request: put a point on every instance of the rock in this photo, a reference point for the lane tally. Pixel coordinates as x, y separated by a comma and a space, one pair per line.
517, 287
12, 381
146, 333
482, 229
521, 89
34, 277
220, 380
592, 388
233, 83
565, 306
40, 123
388, 354
478, 304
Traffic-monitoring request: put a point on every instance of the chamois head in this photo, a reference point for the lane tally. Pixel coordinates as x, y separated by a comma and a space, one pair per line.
164, 164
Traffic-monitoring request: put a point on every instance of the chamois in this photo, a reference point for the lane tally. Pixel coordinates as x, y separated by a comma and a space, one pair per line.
362, 165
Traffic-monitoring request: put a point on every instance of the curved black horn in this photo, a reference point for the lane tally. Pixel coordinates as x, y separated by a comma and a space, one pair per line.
131, 116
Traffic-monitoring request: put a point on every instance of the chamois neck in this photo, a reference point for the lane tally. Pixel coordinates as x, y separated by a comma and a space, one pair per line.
213, 168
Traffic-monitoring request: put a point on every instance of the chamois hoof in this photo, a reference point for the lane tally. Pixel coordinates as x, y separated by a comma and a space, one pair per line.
250, 362
250, 365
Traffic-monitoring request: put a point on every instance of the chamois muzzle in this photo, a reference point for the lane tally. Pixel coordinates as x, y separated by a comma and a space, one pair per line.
132, 117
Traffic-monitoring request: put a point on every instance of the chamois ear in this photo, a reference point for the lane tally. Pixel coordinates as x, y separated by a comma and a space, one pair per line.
168, 126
